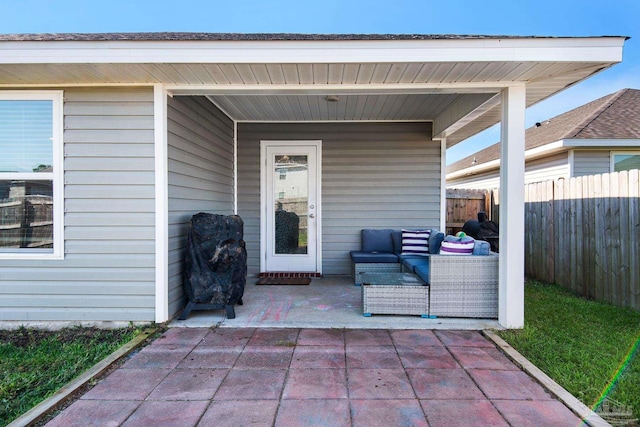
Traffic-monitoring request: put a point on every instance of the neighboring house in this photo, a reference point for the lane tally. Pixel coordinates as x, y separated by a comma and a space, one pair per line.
132, 134
599, 137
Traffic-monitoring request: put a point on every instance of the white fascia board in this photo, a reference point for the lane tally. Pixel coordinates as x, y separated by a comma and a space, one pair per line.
473, 170
602, 143
341, 89
495, 164
582, 49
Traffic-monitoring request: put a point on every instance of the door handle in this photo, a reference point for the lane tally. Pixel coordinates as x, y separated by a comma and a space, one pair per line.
312, 215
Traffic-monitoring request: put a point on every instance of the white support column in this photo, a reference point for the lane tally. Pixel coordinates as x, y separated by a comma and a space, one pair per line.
162, 203
235, 167
443, 185
511, 288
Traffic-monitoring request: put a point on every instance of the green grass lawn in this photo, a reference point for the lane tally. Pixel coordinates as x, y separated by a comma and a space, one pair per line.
585, 346
35, 364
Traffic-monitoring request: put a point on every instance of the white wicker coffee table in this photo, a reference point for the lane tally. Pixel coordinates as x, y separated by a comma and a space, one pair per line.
394, 293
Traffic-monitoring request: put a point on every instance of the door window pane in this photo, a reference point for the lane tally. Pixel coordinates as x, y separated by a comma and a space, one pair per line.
291, 173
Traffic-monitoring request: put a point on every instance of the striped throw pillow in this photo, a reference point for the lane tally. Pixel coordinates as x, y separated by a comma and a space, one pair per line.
457, 246
415, 242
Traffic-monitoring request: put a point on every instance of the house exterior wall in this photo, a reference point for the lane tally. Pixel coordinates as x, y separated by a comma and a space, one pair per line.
201, 174
546, 168
591, 162
107, 273
374, 175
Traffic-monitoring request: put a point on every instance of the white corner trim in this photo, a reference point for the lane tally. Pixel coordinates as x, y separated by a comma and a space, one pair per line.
161, 204
571, 162
443, 187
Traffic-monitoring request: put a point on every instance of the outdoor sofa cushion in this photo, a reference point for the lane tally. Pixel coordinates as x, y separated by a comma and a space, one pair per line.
435, 240
452, 245
412, 262
362, 257
377, 240
422, 271
481, 247
415, 242
375, 246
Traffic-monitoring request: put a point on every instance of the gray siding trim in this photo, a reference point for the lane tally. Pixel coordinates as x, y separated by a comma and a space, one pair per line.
374, 175
200, 151
108, 273
591, 162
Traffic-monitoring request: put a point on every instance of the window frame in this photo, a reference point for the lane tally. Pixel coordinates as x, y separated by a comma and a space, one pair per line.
56, 177
613, 154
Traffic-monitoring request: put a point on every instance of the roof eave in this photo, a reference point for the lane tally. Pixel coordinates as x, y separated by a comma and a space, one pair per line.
605, 50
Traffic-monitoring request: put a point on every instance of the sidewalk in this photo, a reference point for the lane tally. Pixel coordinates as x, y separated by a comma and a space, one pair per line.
318, 377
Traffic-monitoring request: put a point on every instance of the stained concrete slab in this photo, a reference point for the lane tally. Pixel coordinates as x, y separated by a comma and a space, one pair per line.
328, 302
367, 382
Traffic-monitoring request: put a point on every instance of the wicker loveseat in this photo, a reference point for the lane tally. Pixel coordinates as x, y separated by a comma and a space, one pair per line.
459, 286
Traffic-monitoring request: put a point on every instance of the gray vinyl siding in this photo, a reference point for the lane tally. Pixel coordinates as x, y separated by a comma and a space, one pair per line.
200, 152
108, 272
591, 162
375, 175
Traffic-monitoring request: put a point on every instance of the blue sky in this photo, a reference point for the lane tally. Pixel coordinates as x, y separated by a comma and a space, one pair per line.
501, 17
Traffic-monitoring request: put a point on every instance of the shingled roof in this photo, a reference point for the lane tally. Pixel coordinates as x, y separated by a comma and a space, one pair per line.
614, 116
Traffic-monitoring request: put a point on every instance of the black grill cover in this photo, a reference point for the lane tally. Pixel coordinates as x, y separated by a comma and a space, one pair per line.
216, 259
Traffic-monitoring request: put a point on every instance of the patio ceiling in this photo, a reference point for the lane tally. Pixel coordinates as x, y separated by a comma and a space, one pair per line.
453, 81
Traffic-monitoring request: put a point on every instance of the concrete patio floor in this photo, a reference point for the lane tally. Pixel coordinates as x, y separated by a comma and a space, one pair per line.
306, 356
318, 377
329, 302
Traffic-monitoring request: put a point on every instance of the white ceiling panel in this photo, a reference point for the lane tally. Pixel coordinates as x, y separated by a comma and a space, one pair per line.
290, 74
286, 108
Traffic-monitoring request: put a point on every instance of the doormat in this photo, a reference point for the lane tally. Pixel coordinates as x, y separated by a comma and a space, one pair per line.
283, 281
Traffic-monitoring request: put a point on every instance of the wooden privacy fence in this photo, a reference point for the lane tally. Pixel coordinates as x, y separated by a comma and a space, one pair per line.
583, 233
463, 205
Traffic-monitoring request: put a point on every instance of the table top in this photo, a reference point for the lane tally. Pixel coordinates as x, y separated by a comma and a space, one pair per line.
391, 279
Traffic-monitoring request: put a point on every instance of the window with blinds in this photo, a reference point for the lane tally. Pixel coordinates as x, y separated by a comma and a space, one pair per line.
30, 163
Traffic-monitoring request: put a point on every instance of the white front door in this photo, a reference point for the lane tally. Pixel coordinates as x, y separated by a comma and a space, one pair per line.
290, 215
